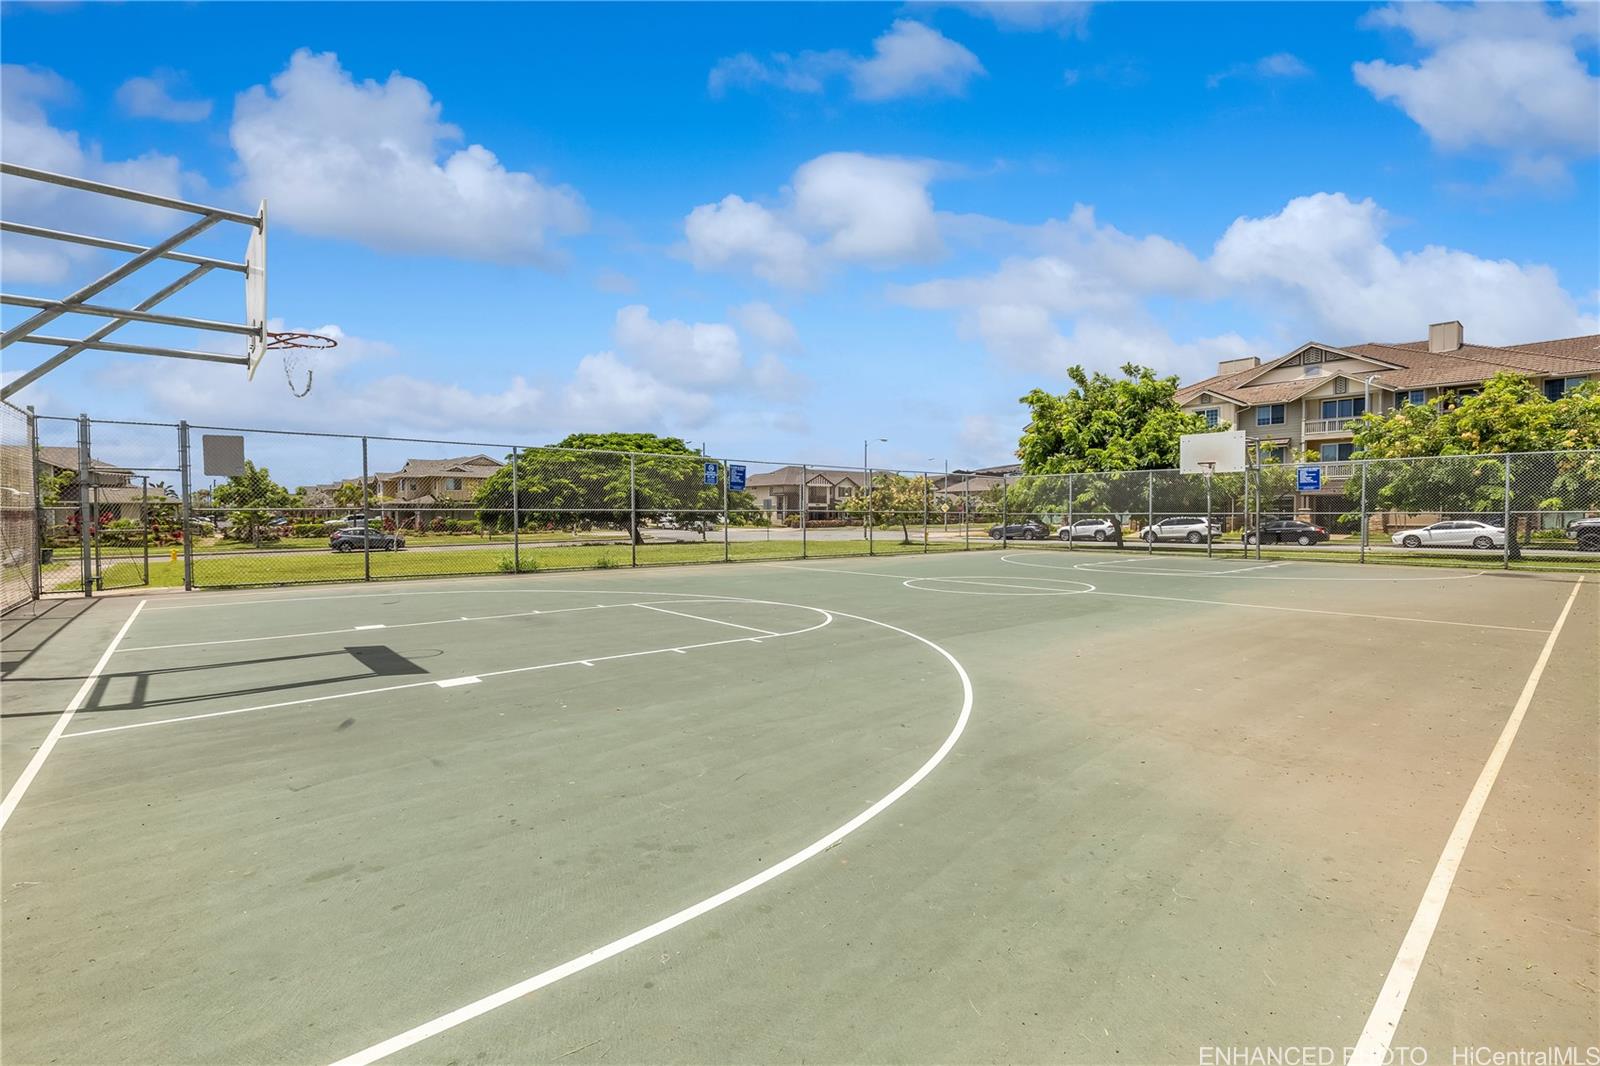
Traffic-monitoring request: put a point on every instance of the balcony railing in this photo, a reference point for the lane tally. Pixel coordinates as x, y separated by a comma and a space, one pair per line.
1327, 427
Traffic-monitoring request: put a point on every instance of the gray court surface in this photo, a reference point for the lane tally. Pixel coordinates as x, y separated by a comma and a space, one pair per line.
1008, 807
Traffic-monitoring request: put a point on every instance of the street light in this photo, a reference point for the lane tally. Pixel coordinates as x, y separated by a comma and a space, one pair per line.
866, 471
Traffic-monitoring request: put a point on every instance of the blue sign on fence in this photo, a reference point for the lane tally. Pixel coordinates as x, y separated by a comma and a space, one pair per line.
711, 473
736, 478
1307, 478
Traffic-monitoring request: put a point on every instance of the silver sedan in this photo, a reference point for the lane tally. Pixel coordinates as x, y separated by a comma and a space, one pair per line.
1454, 534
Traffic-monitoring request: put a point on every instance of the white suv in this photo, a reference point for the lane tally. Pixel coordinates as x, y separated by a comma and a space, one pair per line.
1189, 528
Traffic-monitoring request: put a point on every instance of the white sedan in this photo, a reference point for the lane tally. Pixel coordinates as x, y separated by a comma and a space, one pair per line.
1454, 534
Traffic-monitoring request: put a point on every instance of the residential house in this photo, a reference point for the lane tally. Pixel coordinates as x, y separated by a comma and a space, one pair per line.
52, 461
117, 491
778, 492
1299, 406
441, 487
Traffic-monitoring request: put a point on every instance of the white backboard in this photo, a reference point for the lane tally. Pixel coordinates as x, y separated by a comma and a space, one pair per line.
222, 455
255, 290
1216, 453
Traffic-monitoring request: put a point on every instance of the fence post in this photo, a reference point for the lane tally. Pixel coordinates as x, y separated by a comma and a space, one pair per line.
85, 504
144, 521
516, 518
1505, 553
1258, 501
39, 523
725, 554
186, 510
1150, 511
866, 528
1366, 523
805, 505
1005, 510
366, 518
926, 481
1208, 509
1069, 512
633, 512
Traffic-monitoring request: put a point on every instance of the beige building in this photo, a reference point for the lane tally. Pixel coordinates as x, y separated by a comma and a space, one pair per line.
1299, 405
778, 492
437, 482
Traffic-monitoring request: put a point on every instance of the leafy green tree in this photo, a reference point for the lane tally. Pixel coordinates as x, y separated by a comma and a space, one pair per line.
893, 500
1509, 417
251, 496
1106, 423
569, 487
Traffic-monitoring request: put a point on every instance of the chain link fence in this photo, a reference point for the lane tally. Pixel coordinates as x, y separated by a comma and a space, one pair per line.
19, 522
113, 504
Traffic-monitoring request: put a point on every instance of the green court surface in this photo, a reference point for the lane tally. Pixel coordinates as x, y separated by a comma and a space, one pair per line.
1006, 806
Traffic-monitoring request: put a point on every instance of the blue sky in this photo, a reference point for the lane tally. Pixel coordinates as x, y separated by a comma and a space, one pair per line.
780, 228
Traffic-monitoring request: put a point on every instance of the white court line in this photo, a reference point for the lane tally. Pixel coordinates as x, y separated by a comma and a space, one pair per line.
549, 977
1099, 567
1316, 610
1372, 1048
702, 618
827, 619
456, 682
399, 625
825, 570
1027, 590
14, 797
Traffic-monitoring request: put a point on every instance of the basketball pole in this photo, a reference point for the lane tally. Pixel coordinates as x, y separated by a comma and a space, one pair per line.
1211, 467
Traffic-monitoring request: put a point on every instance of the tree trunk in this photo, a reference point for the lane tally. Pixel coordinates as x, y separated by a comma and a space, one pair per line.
1514, 550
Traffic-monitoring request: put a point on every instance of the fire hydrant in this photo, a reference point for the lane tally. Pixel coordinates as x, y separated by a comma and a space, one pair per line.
174, 555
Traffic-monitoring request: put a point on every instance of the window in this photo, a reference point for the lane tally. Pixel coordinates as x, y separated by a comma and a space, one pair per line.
1556, 388
1210, 414
1278, 454
1351, 408
1270, 415
1415, 396
452, 484
1335, 453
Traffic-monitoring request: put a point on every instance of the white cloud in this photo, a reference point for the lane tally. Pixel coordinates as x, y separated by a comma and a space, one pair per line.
368, 161
912, 59
1507, 77
615, 282
909, 59
735, 232
768, 326
701, 354
27, 94
605, 391
1066, 17
1276, 65
840, 207
1329, 255
151, 97
1321, 267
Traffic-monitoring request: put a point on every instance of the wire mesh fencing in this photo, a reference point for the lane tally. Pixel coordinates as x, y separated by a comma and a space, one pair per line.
19, 520
113, 504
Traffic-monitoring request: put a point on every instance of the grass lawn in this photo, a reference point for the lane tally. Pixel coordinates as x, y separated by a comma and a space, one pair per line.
225, 569
222, 570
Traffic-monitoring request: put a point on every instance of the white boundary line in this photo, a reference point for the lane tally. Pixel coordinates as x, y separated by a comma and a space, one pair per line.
1317, 610
303, 701
826, 570
14, 797
702, 618
1372, 1049
549, 977
402, 625
1024, 591
1099, 567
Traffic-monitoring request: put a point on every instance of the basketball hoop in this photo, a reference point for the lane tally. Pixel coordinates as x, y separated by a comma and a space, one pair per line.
290, 345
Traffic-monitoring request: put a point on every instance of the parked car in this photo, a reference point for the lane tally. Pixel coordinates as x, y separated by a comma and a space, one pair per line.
1586, 531
346, 521
353, 539
1453, 534
1287, 530
1027, 529
1189, 528
1095, 529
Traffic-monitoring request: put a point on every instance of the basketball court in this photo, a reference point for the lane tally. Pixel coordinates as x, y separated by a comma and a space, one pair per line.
998, 807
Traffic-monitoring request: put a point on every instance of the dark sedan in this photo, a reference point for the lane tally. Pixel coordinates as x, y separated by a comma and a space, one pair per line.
1028, 529
1288, 531
353, 539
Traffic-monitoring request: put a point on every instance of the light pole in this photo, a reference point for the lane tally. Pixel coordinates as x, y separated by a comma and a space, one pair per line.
866, 471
